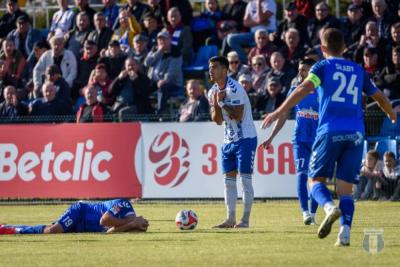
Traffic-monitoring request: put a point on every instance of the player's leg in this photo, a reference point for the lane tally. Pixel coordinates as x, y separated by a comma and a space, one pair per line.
230, 194
69, 220
313, 203
245, 161
322, 163
301, 158
348, 167
21, 229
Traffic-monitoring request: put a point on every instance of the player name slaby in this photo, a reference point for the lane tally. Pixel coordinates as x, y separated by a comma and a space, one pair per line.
346, 68
54, 165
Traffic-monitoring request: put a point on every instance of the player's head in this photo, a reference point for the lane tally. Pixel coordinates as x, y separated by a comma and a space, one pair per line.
304, 66
218, 68
332, 42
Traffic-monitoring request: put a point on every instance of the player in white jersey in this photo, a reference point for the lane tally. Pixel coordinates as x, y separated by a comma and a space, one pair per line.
230, 105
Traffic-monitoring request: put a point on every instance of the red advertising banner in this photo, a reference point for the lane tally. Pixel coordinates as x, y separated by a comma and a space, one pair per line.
69, 160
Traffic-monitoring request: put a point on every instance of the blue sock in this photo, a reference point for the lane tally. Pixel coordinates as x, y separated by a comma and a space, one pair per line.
302, 190
313, 205
26, 229
321, 194
346, 205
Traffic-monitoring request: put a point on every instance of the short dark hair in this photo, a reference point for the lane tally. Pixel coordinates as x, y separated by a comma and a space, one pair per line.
333, 39
223, 61
307, 61
41, 44
373, 153
396, 49
390, 154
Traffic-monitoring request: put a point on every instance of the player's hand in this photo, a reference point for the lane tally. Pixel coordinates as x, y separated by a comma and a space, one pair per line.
269, 119
393, 117
221, 95
140, 223
267, 143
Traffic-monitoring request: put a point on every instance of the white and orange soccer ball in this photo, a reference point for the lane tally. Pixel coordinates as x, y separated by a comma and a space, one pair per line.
186, 220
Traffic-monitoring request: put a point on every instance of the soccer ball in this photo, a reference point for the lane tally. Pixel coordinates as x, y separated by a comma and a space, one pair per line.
186, 220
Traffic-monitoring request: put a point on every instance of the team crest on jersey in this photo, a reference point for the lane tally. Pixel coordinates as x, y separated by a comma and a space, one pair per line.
373, 240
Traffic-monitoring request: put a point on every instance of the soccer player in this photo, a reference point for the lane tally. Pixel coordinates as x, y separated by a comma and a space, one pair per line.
339, 140
306, 115
230, 105
110, 216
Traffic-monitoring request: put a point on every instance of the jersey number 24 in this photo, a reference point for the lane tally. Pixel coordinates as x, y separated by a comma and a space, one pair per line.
349, 86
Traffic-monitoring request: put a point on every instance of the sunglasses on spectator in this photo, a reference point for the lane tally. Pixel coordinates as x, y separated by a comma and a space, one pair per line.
234, 62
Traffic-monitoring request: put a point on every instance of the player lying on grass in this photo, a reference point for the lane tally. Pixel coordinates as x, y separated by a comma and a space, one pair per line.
110, 216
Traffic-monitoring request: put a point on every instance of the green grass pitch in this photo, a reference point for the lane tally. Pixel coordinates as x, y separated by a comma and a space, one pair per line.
276, 238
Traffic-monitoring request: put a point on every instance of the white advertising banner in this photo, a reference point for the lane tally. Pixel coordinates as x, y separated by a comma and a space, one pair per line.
182, 160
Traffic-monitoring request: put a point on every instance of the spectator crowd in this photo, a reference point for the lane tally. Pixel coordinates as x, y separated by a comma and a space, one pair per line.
128, 59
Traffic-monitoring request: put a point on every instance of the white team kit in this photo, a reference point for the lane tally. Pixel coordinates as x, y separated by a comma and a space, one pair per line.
235, 96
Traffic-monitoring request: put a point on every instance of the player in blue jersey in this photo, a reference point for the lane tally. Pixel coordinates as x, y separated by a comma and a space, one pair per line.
306, 115
230, 105
340, 84
110, 216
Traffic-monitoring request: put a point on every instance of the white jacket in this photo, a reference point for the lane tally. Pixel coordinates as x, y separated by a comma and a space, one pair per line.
68, 67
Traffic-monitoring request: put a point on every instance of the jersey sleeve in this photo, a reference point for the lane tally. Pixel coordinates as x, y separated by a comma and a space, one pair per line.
237, 97
316, 74
121, 209
369, 86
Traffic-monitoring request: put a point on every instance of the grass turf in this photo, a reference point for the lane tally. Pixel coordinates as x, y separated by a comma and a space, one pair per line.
276, 238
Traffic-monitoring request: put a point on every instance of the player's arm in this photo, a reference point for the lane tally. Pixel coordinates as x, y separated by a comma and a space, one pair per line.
138, 224
275, 130
235, 112
385, 105
306, 87
215, 109
109, 220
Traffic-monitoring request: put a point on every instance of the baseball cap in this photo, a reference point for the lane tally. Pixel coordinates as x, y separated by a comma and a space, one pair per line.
353, 7
274, 80
163, 34
290, 6
244, 77
140, 38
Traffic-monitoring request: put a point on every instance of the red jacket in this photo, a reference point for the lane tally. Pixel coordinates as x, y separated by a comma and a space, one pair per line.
97, 113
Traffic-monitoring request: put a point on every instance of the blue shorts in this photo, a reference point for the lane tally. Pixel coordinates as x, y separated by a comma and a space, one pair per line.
72, 219
302, 154
343, 149
239, 155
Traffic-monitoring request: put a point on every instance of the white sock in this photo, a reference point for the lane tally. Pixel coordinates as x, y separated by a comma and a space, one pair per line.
248, 196
231, 197
328, 207
344, 231
306, 214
